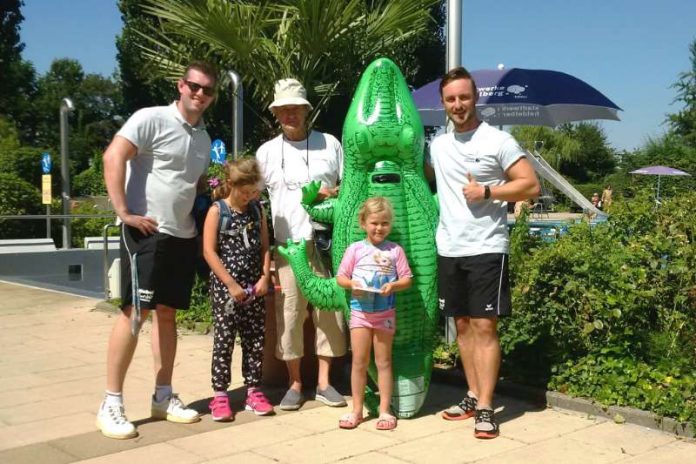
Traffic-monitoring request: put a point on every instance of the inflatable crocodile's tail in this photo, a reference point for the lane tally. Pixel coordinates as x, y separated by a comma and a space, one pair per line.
322, 293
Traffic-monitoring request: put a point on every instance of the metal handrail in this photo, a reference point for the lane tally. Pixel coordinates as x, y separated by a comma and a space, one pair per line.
105, 238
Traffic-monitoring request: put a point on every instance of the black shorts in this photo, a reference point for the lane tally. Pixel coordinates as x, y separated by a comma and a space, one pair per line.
474, 286
166, 267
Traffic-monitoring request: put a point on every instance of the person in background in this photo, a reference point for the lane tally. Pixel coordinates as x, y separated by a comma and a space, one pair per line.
524, 205
596, 202
606, 199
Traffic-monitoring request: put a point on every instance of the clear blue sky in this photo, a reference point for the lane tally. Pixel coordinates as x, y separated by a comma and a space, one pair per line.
630, 50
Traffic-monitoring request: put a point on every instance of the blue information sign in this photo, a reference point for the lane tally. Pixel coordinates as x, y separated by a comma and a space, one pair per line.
46, 163
218, 152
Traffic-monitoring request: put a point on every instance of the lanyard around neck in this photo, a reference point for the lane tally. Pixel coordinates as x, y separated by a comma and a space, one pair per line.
305, 159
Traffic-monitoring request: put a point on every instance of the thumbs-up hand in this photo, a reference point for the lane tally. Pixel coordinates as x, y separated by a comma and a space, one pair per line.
473, 191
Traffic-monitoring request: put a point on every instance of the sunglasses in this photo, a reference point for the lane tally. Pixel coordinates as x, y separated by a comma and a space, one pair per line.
209, 91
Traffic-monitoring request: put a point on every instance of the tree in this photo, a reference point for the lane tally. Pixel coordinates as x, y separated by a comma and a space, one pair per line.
91, 180
424, 58
18, 196
595, 160
554, 146
9, 136
97, 104
324, 43
140, 85
683, 123
579, 151
18, 76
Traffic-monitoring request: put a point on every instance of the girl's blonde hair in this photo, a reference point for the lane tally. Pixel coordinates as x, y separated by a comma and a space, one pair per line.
375, 205
238, 172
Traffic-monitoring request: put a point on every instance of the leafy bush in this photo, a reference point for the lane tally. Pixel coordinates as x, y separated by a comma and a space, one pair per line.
91, 180
25, 162
609, 312
199, 312
582, 291
89, 227
628, 382
18, 196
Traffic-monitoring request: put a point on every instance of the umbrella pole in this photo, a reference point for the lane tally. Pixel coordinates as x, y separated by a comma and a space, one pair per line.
658, 188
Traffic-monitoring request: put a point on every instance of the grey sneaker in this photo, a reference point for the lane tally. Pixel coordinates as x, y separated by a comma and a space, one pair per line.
292, 400
330, 397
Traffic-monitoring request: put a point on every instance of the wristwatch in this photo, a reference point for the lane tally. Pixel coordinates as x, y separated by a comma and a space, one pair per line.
486, 192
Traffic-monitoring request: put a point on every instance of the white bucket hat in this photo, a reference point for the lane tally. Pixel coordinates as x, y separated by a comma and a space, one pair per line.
289, 92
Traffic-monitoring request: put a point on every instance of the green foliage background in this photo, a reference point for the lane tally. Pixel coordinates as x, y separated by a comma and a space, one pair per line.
18, 196
609, 312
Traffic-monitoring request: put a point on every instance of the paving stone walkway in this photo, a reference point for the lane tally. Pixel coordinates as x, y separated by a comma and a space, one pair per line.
52, 354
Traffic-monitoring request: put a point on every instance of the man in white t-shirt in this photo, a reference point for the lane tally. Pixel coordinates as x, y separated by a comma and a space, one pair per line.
288, 162
151, 171
478, 169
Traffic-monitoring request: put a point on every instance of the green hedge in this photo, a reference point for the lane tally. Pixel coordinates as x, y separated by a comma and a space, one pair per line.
609, 312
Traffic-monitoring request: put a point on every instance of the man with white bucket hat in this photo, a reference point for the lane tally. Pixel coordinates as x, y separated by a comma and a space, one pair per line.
289, 161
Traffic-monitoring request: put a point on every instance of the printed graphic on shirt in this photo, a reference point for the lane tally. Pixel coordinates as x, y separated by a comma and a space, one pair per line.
373, 267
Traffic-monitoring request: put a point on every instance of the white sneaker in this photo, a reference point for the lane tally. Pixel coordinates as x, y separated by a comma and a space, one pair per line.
174, 410
112, 421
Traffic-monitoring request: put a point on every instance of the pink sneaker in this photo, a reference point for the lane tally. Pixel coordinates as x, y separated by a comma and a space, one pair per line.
256, 401
220, 409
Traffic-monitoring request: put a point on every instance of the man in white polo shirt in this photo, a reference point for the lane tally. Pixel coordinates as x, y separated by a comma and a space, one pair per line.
152, 169
289, 161
478, 169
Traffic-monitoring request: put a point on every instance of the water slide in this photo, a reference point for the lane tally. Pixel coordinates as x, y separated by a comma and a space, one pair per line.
545, 170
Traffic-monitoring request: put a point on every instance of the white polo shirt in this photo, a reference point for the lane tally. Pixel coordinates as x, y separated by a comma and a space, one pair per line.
161, 179
288, 165
470, 229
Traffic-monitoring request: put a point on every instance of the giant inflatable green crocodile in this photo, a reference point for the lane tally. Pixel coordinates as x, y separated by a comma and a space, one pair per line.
383, 145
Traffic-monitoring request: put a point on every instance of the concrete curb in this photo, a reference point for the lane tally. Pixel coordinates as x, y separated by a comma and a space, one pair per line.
552, 399
620, 413
106, 307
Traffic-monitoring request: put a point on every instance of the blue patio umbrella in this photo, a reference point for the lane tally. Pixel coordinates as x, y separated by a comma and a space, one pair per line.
535, 97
